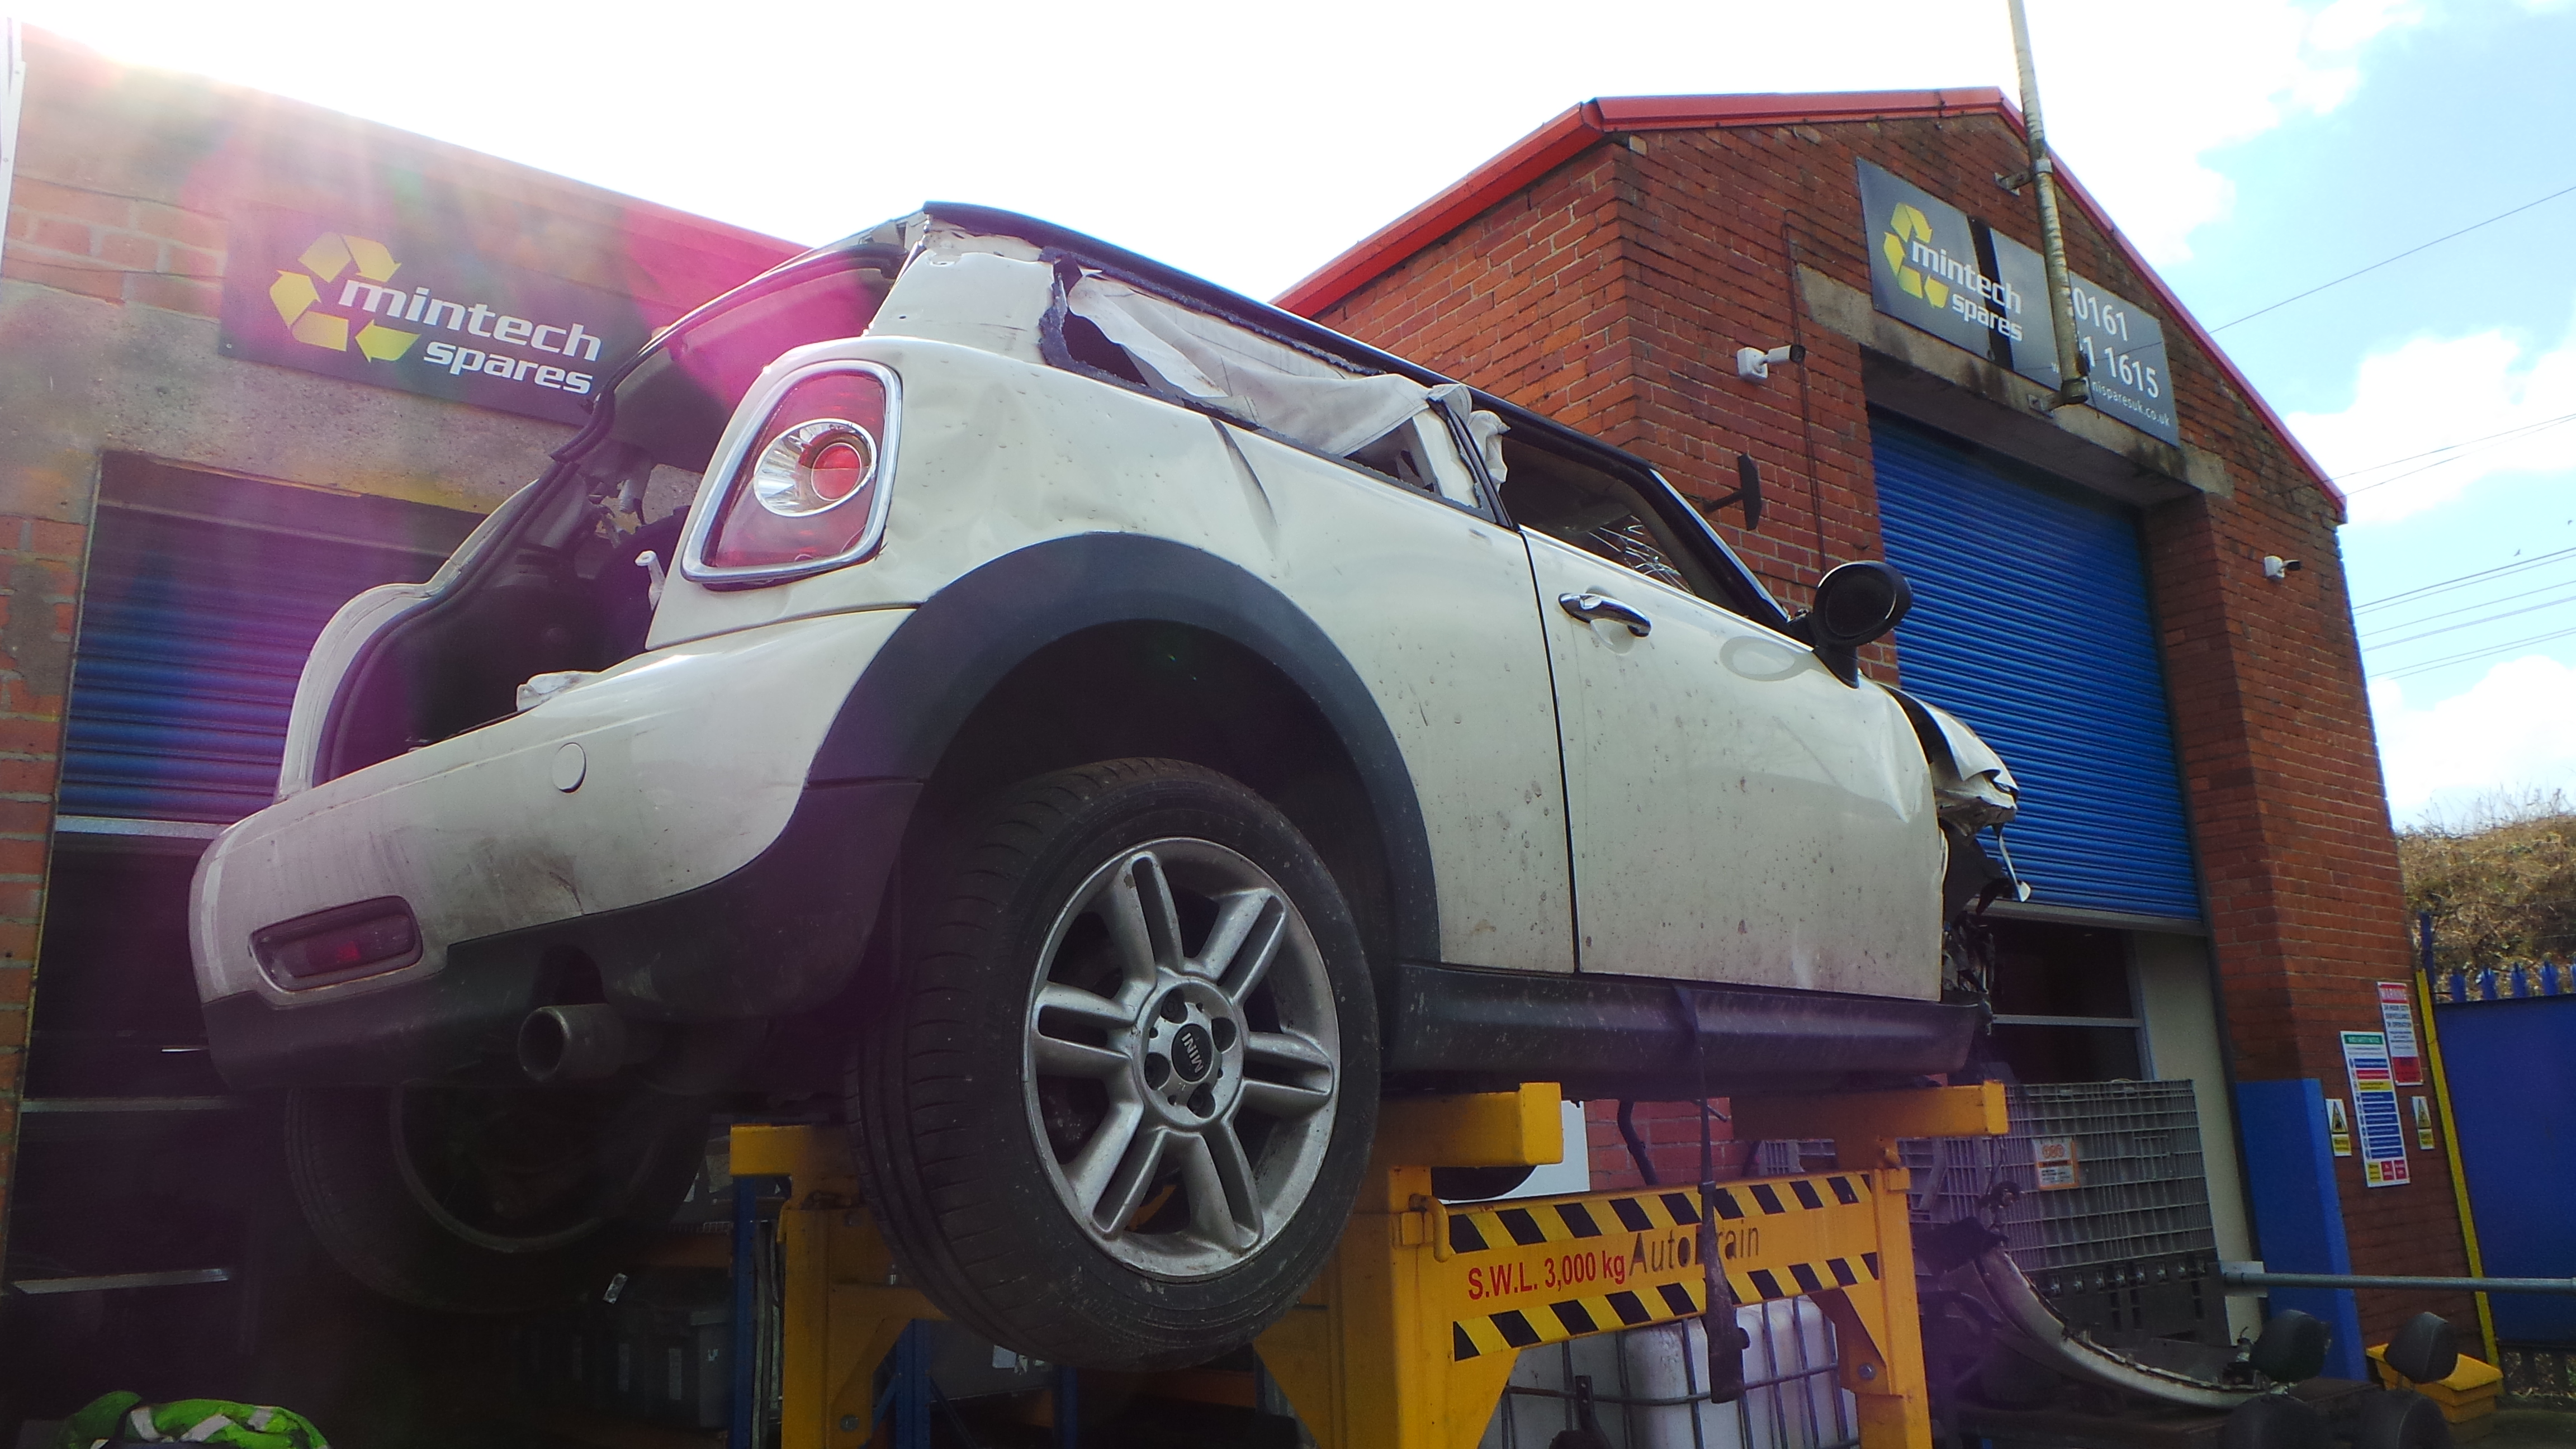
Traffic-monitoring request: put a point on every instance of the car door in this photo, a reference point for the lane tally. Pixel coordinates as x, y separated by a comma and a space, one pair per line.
1431, 603
1736, 812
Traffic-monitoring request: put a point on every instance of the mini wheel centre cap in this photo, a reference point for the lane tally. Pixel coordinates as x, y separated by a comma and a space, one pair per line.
1193, 1052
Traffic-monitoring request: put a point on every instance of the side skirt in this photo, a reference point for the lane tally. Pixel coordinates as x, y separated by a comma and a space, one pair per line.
1653, 1038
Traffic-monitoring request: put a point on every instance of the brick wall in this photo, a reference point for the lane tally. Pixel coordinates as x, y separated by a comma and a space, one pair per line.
39, 563
1613, 292
1671, 1134
97, 243
91, 245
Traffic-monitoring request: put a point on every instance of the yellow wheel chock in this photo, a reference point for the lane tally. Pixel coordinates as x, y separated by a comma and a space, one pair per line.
1406, 1339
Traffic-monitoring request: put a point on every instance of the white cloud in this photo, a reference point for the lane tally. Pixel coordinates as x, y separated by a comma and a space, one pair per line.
1250, 143
2513, 733
2393, 448
2211, 74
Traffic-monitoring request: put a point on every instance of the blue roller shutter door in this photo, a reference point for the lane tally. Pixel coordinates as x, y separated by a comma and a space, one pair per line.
192, 635
2031, 622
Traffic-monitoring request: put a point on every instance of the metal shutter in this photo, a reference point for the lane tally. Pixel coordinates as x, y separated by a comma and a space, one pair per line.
193, 631
2031, 622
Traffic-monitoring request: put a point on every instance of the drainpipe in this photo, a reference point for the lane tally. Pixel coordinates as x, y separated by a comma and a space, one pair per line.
2072, 386
13, 83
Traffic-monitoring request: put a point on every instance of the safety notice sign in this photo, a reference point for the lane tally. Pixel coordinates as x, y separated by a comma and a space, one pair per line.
2397, 1018
2382, 1127
2053, 1162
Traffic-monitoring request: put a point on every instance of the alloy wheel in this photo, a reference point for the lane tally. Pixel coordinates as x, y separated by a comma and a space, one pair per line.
1181, 1059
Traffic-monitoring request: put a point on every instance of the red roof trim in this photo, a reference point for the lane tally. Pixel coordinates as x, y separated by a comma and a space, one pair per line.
1673, 113
1576, 130
1572, 133
1531, 157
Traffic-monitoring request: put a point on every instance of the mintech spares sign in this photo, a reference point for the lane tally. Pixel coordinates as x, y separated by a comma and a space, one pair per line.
388, 305
1933, 266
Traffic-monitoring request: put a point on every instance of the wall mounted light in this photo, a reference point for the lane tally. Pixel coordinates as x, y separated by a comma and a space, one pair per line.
2277, 568
1754, 365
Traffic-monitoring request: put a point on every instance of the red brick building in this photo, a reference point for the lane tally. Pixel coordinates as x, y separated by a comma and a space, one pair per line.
1608, 268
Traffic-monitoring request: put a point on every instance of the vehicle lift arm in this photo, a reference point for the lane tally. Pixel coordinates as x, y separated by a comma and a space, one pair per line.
1407, 1338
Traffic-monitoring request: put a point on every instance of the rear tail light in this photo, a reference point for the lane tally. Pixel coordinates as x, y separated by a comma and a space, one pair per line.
810, 492
340, 944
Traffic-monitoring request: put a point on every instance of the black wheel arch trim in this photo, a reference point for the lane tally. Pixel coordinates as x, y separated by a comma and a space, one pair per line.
933, 671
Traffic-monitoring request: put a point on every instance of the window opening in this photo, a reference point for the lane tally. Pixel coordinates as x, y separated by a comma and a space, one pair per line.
1420, 454
2065, 1008
1601, 513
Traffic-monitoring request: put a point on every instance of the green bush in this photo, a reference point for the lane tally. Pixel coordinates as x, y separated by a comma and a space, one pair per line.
2500, 884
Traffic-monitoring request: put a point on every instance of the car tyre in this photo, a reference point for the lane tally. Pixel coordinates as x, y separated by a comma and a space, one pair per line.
489, 1199
1116, 1104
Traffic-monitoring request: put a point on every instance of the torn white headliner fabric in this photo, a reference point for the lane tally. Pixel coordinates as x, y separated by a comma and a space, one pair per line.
1244, 375
1483, 428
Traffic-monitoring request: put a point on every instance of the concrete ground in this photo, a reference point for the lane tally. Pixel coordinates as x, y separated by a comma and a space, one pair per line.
2529, 1429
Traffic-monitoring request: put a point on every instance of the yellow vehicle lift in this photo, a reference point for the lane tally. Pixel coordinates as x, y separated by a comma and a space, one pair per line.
1407, 1338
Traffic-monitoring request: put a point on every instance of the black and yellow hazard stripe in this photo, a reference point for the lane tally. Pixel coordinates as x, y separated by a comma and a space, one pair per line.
1804, 1194
1767, 1283
1566, 1220
1527, 1225
1516, 1328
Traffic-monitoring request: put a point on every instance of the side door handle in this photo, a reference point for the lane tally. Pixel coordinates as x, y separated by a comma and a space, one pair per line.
1591, 607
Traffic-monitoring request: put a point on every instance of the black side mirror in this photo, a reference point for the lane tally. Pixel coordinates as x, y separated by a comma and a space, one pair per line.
1855, 604
1748, 491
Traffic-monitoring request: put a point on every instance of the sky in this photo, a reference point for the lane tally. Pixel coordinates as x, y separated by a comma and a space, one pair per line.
2253, 148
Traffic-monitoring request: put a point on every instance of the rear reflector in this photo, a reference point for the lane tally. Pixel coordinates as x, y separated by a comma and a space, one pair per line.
340, 944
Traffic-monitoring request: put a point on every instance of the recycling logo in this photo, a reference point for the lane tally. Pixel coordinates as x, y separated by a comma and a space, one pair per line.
1906, 226
297, 296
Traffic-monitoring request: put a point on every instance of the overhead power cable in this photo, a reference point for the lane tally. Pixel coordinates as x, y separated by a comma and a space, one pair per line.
2468, 623
2490, 440
2464, 580
2463, 443
2401, 256
2525, 600
2432, 664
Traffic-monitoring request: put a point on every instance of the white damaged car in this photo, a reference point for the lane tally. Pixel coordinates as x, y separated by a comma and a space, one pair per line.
1096, 733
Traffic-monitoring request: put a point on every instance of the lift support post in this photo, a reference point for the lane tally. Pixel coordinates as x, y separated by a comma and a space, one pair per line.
1406, 1339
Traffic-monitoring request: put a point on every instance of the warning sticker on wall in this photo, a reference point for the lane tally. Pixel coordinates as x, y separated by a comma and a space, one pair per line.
2397, 1018
2052, 1160
2423, 1122
2338, 1127
2382, 1127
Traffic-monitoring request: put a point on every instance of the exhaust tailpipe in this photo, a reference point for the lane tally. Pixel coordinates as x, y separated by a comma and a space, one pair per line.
581, 1043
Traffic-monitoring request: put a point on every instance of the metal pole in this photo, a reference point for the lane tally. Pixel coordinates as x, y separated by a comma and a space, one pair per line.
13, 86
743, 1416
2071, 384
1068, 1408
2247, 1278
2451, 1132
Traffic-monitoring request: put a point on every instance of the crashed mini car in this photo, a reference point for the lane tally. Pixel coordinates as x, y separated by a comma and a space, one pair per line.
1094, 732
